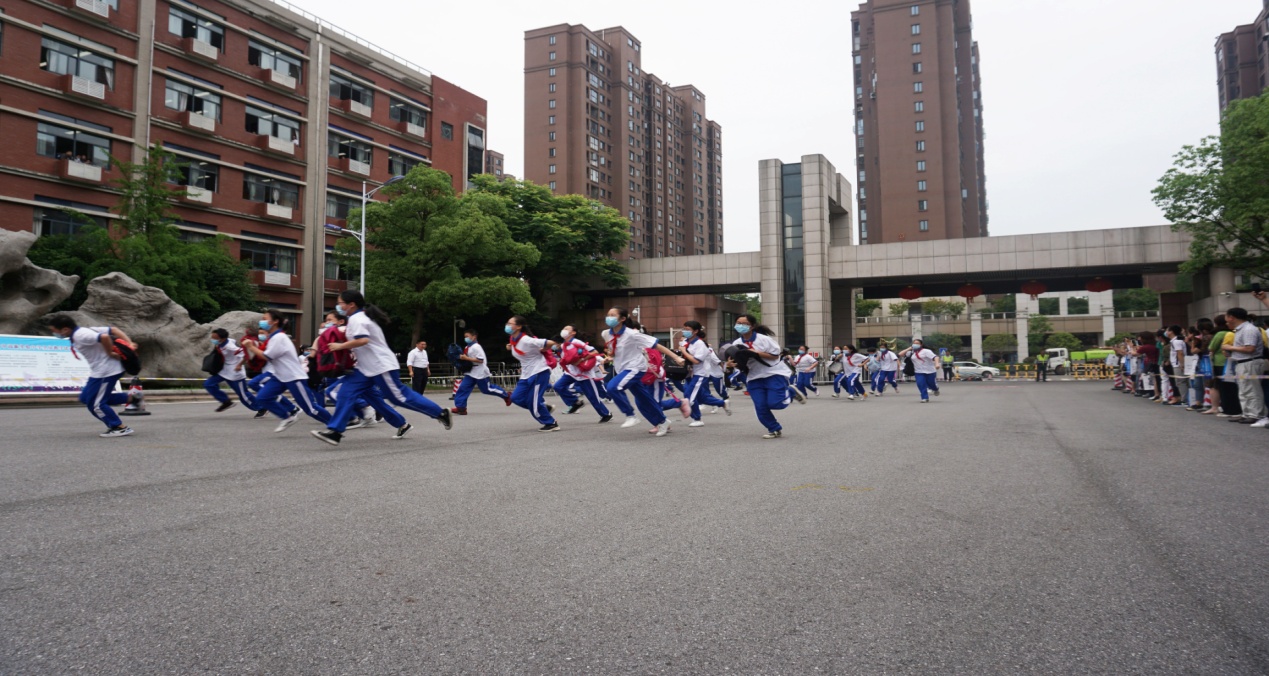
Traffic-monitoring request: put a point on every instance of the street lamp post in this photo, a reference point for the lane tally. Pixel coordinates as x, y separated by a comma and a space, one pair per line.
361, 236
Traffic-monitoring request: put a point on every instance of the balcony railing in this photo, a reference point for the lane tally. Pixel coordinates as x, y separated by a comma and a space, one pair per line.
1137, 314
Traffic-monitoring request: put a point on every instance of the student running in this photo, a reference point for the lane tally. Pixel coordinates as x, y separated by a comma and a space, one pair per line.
232, 359
768, 377
804, 364
97, 347
583, 371
925, 365
479, 377
705, 365
288, 375
535, 372
626, 342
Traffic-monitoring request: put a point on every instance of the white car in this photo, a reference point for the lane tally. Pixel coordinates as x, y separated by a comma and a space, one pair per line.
969, 369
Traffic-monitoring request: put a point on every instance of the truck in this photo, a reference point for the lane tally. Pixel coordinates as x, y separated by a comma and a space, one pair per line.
1059, 360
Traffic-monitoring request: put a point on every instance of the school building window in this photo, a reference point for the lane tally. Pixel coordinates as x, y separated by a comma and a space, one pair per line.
64, 58
924, 226
402, 111
189, 25
923, 205
339, 205
345, 88
184, 97
54, 140
57, 221
260, 256
264, 56
447, 131
269, 123
270, 190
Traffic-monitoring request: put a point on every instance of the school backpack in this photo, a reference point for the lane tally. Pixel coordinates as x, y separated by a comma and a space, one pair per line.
214, 361
452, 353
127, 353
675, 372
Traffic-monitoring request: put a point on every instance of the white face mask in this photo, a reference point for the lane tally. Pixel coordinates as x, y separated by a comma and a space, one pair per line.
565, 334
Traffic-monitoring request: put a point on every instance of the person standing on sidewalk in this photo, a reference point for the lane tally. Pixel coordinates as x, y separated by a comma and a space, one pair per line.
420, 367
1247, 362
1042, 367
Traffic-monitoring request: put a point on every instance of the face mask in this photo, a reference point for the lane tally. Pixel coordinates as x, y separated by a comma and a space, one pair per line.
263, 324
340, 309
885, 349
509, 329
215, 341
469, 341
262, 336
742, 329
801, 351
916, 346
327, 325
688, 333
565, 335
837, 352
612, 322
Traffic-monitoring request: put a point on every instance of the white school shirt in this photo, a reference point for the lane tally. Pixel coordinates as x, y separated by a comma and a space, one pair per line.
233, 357
418, 359
1178, 352
628, 349
87, 343
888, 361
925, 361
528, 350
700, 351
374, 358
757, 370
478, 371
284, 362
855, 363
805, 363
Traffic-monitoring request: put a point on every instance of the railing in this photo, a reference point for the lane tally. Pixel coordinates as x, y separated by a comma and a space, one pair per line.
882, 320
329, 27
999, 315
1137, 314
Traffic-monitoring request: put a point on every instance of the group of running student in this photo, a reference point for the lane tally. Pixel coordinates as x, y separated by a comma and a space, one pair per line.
880, 365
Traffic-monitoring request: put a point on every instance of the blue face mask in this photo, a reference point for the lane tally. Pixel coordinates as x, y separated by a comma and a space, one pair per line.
340, 309
509, 329
742, 329
215, 341
837, 351
263, 324
688, 333
469, 341
262, 336
801, 351
612, 322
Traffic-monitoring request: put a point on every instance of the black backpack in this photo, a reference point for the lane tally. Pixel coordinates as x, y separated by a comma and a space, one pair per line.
128, 357
214, 361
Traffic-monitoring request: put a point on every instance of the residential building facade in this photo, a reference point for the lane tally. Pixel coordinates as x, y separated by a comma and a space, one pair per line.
1242, 59
596, 124
279, 119
918, 122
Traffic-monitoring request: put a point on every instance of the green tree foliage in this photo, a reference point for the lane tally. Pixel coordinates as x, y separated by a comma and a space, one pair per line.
1121, 337
1038, 329
752, 301
1134, 300
144, 244
942, 307
1216, 191
1064, 339
1000, 345
1050, 306
1077, 305
577, 238
432, 252
951, 341
900, 309
865, 307
1006, 303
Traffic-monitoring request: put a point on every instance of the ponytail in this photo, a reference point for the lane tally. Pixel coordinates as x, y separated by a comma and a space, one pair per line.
757, 327
697, 330
630, 322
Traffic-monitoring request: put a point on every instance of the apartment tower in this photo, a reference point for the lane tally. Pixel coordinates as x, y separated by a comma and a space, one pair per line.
1242, 59
596, 124
918, 122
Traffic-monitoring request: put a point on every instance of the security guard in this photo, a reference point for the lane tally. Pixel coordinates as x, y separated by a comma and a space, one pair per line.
1042, 367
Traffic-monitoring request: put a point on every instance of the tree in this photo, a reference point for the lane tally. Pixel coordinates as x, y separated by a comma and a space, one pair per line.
1064, 339
1006, 303
1077, 305
1050, 306
752, 301
1121, 337
864, 307
1000, 345
1134, 300
576, 238
900, 308
430, 251
950, 341
145, 244
942, 307
1038, 329
1216, 191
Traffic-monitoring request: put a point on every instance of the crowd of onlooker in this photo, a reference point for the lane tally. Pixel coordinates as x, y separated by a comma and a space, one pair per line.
1216, 367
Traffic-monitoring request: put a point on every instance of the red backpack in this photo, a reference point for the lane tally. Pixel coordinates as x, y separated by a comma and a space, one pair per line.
655, 365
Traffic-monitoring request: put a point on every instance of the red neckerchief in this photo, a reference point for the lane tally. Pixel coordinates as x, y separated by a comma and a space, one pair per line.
615, 335
515, 341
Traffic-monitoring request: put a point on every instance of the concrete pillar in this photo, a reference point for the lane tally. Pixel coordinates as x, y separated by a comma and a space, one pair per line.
843, 315
771, 245
1022, 317
1025, 303
976, 336
1108, 323
1099, 300
916, 326
1063, 299
143, 81
1221, 280
818, 183
313, 258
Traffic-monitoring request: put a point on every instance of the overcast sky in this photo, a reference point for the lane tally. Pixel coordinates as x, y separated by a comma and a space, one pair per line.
1084, 101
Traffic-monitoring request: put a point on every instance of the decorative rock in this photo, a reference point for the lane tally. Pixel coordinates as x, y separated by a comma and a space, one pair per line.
27, 291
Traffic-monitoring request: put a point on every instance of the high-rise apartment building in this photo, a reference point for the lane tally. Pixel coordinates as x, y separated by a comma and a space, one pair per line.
596, 124
918, 122
1242, 60
279, 120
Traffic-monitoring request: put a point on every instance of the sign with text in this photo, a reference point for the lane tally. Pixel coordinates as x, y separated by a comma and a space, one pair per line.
39, 364
277, 278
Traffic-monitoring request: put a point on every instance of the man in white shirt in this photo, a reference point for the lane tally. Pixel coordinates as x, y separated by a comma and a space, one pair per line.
420, 367
96, 346
1246, 362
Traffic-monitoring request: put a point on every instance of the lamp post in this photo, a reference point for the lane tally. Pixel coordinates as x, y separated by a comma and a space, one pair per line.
361, 236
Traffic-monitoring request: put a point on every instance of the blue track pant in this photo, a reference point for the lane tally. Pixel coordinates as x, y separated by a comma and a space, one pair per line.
99, 395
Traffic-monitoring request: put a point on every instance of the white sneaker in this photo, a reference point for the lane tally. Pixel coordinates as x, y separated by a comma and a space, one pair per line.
1263, 422
836, 395
663, 429
357, 423
727, 406
772, 435
849, 396
713, 409
630, 422
696, 423
120, 431
287, 422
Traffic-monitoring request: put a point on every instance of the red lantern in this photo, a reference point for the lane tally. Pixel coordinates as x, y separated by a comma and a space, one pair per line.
1034, 289
1098, 285
969, 291
910, 293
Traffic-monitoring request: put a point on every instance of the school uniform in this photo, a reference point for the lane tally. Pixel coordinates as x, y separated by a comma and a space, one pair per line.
888, 365
288, 376
377, 379
535, 377
768, 385
477, 378
575, 380
103, 374
714, 375
853, 368
698, 386
925, 365
629, 364
805, 365
235, 377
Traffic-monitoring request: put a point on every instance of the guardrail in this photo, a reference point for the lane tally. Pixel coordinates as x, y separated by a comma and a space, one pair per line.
1137, 314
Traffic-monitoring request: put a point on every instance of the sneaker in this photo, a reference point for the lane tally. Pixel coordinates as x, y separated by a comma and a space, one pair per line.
1238, 419
287, 422
329, 436
458, 411
936, 393
1223, 415
1248, 421
378, 418
355, 424
836, 396
876, 394
507, 400
1263, 422
713, 410
925, 401
631, 421
685, 407
772, 435
575, 408
663, 429
402, 431
371, 422
446, 419
553, 427
696, 423
260, 414
849, 397
225, 406
727, 406
120, 431
607, 418
797, 396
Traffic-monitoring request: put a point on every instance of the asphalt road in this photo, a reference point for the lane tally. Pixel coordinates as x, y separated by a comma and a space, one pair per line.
1003, 528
